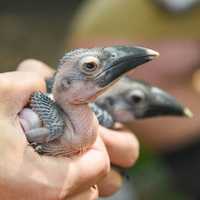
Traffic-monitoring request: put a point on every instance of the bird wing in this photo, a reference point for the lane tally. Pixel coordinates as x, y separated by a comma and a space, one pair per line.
49, 83
50, 114
104, 118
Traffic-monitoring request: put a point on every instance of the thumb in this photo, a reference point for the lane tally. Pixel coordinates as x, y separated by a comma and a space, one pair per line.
15, 90
33, 65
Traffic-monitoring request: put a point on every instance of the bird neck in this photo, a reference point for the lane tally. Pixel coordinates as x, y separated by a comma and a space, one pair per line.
84, 125
79, 115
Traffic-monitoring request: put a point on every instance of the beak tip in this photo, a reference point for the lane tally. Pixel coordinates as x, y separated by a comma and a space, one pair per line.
188, 113
152, 54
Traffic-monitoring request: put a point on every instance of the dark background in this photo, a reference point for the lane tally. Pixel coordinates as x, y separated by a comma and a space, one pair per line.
34, 29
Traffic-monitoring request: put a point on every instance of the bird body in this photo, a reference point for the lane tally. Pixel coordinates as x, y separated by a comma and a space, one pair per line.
68, 124
63, 128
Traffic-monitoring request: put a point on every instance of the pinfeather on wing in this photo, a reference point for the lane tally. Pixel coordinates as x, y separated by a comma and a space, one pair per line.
50, 114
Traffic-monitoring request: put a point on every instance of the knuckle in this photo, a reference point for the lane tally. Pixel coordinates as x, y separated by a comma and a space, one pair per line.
62, 196
29, 64
94, 193
105, 168
33, 65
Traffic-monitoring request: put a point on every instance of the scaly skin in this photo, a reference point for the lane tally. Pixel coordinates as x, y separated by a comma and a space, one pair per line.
83, 75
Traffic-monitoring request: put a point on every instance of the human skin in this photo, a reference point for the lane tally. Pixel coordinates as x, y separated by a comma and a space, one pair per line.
26, 175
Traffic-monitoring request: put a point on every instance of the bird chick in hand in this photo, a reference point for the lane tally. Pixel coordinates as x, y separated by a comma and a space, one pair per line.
66, 126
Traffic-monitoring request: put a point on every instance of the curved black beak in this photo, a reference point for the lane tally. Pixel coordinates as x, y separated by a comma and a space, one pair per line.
121, 60
163, 104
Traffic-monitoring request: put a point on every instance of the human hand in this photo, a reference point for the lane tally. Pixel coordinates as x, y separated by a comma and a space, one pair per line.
24, 174
123, 150
121, 144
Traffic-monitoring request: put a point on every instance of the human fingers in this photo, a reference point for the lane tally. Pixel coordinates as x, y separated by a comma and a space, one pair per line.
43, 177
16, 89
82, 171
36, 66
122, 146
110, 184
55, 177
88, 174
64, 176
90, 194
101, 161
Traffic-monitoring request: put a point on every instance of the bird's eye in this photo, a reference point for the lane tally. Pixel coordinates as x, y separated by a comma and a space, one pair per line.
136, 99
113, 55
137, 96
89, 65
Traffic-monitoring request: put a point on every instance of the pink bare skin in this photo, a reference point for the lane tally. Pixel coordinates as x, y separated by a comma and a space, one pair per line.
125, 145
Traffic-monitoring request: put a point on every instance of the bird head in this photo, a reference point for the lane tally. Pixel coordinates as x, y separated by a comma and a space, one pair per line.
138, 100
84, 74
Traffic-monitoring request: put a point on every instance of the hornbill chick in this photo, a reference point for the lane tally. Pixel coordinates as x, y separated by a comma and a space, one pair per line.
68, 124
130, 99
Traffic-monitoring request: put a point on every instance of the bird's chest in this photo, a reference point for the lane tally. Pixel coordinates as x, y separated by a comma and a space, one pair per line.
80, 132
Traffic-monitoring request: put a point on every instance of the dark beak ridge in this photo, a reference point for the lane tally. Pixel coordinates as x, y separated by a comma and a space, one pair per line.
126, 58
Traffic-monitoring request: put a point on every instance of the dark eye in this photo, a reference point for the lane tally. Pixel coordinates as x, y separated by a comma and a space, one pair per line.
113, 55
91, 66
136, 98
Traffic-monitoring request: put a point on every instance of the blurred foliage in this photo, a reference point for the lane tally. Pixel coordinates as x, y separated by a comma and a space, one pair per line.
152, 178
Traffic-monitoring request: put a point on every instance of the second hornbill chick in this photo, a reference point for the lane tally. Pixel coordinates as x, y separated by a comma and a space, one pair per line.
130, 100
68, 124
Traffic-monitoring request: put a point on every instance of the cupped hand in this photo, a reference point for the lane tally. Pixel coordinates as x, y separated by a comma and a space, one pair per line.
123, 150
122, 146
24, 174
